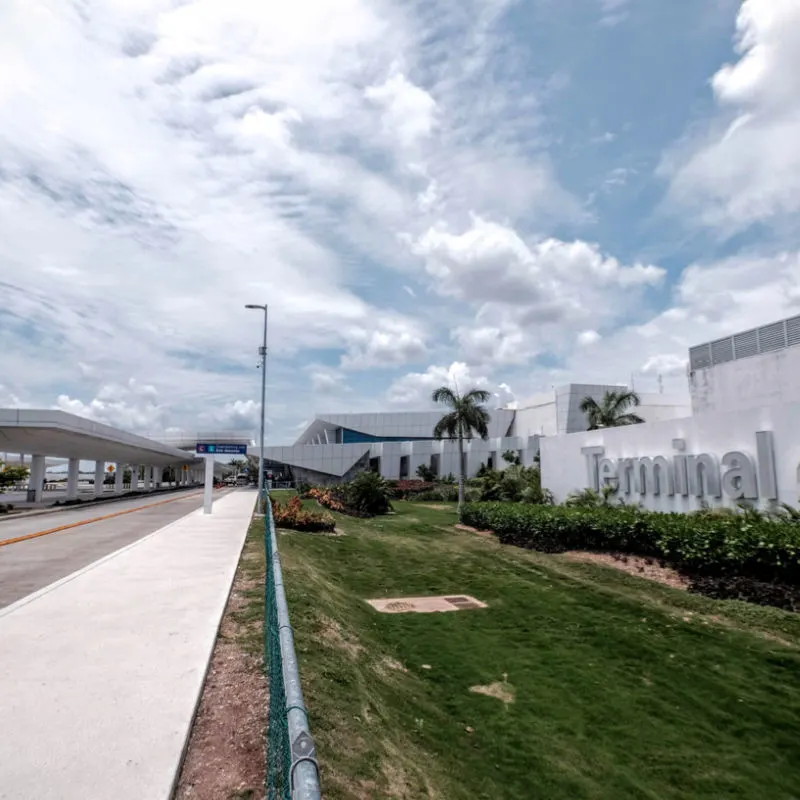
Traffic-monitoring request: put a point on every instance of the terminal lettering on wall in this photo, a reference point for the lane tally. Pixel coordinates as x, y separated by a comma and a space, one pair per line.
736, 474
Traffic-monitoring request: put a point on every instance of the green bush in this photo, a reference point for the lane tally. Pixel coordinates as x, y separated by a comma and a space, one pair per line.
368, 493
444, 493
515, 484
764, 549
425, 473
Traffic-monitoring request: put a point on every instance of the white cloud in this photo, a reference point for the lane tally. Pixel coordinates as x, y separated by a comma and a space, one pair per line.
394, 341
131, 406
327, 381
746, 169
8, 399
408, 110
528, 295
613, 12
491, 262
489, 345
710, 301
239, 415
665, 364
588, 337
165, 163
506, 398
414, 389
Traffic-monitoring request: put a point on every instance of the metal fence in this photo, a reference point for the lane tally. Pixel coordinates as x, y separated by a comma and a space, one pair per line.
292, 769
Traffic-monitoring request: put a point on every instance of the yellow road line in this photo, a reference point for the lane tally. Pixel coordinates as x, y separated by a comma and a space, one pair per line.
94, 519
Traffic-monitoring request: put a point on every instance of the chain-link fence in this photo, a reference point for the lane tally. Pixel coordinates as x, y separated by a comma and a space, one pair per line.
292, 769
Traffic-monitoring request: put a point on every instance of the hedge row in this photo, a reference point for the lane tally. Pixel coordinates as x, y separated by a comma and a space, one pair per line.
762, 549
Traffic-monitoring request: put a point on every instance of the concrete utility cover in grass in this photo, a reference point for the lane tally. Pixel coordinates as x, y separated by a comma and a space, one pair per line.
425, 605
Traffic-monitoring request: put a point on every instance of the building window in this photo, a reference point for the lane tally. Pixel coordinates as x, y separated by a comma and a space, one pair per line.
490, 462
375, 465
435, 464
404, 467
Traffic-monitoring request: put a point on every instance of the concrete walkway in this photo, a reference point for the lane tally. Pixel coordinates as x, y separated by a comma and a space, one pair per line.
100, 672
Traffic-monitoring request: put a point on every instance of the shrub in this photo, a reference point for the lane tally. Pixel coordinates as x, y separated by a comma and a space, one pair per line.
515, 484
369, 493
446, 494
780, 595
425, 473
556, 529
293, 515
589, 498
329, 498
365, 496
408, 490
764, 549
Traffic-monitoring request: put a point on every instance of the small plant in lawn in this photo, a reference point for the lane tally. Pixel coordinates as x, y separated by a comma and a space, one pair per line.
329, 498
293, 515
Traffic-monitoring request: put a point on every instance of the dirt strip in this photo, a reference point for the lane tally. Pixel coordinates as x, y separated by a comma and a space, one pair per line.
225, 759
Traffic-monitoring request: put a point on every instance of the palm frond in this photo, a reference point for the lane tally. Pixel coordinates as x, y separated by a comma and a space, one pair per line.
447, 426
620, 402
445, 396
589, 405
477, 396
628, 419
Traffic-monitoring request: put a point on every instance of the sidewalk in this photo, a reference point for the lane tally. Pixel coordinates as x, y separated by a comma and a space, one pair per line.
100, 673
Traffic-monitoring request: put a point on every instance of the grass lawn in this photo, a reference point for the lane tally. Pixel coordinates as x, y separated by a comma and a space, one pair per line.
622, 688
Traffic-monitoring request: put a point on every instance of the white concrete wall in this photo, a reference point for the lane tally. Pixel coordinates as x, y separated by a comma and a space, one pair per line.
564, 466
760, 380
658, 407
537, 419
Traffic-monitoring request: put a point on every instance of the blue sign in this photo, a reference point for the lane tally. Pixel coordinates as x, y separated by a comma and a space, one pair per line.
221, 449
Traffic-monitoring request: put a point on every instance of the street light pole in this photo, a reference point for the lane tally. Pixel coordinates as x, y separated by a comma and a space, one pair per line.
263, 353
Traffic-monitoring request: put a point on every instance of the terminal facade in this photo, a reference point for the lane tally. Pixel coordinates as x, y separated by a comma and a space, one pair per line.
335, 447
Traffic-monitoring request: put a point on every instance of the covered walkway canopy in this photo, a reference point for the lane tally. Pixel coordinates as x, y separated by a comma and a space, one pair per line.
42, 433
56, 433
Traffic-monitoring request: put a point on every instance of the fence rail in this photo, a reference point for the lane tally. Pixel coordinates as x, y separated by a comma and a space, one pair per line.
292, 768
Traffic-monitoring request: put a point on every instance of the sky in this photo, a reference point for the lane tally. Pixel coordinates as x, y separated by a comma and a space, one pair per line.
507, 194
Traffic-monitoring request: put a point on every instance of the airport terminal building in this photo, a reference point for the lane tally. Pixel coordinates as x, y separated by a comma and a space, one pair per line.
335, 447
739, 385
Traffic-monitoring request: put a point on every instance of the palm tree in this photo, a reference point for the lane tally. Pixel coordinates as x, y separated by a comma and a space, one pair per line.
237, 465
467, 416
613, 412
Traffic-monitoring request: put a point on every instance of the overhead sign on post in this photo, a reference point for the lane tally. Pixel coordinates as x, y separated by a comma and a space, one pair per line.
221, 449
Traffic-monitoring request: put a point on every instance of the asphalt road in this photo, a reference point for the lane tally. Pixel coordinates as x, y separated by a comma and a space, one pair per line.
31, 565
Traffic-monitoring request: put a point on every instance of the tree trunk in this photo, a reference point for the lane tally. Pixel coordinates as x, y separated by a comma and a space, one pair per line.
460, 471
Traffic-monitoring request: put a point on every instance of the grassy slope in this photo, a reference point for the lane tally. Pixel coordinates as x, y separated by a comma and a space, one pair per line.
617, 696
